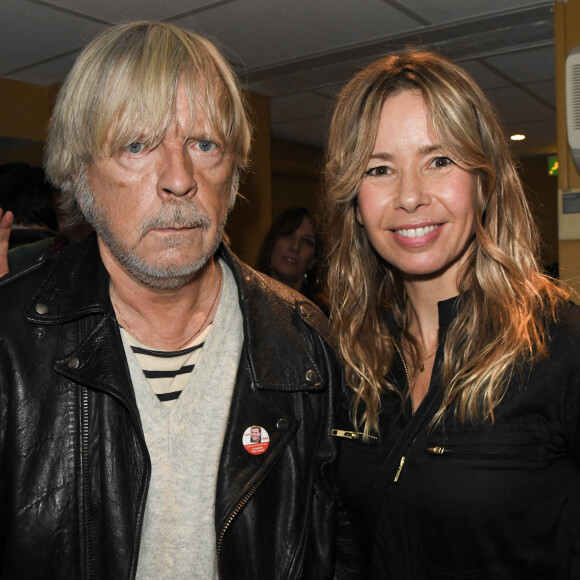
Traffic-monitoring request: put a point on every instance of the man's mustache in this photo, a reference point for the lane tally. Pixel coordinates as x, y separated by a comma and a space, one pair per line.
176, 216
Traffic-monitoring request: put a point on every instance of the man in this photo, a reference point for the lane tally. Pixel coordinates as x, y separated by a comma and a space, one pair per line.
132, 364
256, 435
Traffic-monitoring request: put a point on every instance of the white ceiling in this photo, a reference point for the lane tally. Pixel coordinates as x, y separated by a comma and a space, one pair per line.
300, 52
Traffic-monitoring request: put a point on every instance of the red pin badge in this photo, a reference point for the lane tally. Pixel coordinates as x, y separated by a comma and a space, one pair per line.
256, 440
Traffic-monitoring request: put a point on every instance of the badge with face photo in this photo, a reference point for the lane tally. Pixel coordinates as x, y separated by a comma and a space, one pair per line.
256, 440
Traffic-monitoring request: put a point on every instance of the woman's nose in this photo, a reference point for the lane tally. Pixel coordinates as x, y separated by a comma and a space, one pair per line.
411, 192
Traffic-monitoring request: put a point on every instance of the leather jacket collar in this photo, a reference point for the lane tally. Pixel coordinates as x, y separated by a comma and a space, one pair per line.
78, 286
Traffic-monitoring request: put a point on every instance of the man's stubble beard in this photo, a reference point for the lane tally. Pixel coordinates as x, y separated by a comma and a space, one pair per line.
184, 214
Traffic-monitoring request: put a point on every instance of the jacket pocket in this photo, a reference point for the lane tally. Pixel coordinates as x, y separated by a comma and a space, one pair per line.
472, 502
500, 447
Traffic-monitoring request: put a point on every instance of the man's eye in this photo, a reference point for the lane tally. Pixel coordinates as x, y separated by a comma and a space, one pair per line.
135, 148
206, 146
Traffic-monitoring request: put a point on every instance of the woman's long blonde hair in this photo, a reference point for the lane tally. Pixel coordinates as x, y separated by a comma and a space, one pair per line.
505, 301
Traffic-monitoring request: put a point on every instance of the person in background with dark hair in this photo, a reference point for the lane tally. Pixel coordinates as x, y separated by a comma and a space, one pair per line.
463, 358
31, 223
291, 253
24, 254
27, 194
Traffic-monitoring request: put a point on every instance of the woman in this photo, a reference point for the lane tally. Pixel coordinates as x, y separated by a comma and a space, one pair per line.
291, 250
463, 457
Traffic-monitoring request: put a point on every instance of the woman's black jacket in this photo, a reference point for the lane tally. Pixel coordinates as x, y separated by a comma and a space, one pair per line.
477, 501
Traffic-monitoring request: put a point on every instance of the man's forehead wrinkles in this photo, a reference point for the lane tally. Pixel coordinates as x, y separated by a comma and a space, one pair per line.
183, 129
186, 129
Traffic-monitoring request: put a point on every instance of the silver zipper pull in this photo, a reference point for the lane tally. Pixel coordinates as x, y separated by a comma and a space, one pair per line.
399, 470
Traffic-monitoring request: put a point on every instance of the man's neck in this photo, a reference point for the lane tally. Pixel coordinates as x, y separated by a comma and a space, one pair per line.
164, 319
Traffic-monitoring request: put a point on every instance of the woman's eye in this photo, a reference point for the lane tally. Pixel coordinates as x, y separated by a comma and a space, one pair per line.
441, 162
136, 148
380, 170
206, 146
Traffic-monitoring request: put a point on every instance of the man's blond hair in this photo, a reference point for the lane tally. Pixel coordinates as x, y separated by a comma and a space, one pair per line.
123, 89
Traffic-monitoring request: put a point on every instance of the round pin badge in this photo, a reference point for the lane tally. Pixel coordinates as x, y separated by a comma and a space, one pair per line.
256, 440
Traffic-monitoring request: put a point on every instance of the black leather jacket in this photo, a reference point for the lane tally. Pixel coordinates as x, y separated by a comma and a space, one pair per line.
474, 500
74, 467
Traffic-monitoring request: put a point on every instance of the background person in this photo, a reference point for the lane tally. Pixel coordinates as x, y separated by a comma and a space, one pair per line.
27, 194
291, 253
133, 362
37, 225
26, 253
461, 355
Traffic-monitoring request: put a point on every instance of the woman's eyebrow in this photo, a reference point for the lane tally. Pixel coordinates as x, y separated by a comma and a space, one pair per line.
381, 156
426, 149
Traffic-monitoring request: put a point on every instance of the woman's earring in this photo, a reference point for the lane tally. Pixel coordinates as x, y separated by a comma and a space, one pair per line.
308, 282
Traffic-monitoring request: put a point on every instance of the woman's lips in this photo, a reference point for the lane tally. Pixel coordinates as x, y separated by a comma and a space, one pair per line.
420, 235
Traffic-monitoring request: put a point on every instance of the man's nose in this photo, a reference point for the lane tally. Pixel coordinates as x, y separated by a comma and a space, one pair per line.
177, 176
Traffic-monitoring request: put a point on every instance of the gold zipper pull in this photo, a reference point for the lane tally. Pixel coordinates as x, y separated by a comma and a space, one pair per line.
345, 434
352, 435
437, 450
399, 470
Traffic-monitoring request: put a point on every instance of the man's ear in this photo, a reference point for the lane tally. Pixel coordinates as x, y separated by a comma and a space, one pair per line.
75, 179
83, 172
76, 175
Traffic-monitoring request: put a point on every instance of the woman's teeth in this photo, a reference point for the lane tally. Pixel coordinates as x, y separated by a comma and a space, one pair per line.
416, 232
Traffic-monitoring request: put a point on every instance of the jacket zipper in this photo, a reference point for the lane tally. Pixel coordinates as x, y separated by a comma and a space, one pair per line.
400, 468
402, 463
439, 450
406, 375
351, 434
233, 514
86, 485
230, 519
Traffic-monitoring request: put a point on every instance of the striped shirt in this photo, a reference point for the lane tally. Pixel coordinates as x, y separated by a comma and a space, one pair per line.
167, 372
